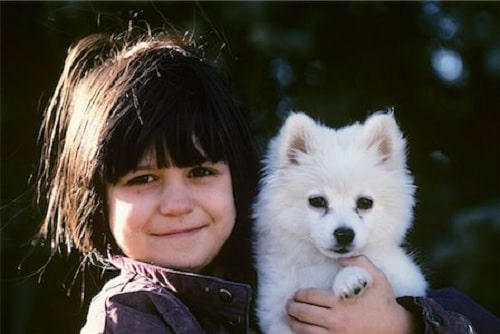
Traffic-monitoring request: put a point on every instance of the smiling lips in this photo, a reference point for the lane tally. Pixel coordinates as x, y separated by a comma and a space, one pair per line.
181, 232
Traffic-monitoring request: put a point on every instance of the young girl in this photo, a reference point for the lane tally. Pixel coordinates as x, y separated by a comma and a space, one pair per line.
148, 165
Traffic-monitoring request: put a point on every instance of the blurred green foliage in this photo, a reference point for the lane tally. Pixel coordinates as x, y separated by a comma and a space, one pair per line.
436, 63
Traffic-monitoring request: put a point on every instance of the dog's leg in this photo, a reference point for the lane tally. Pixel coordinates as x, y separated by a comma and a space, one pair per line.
350, 282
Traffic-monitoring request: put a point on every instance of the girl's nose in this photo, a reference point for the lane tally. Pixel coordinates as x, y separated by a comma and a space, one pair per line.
176, 200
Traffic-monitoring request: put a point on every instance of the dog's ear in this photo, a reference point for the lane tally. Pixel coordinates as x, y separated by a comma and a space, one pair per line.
382, 134
294, 137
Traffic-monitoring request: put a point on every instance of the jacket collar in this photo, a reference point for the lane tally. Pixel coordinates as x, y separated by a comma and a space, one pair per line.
210, 296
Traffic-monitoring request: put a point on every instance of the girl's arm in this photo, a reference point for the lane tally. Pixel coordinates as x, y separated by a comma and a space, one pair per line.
444, 308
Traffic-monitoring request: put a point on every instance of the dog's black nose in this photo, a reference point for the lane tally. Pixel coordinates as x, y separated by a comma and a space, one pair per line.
344, 235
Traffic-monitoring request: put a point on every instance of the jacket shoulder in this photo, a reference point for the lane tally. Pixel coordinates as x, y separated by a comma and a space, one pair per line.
128, 304
148, 312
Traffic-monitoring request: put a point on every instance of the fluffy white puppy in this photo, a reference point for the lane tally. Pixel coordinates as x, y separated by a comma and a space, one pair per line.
327, 194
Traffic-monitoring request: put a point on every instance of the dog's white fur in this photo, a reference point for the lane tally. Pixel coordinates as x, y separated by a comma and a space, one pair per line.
316, 181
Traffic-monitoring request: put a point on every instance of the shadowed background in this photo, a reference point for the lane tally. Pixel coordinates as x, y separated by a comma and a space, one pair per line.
436, 63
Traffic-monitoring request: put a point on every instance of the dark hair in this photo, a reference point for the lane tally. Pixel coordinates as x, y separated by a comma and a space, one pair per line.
117, 96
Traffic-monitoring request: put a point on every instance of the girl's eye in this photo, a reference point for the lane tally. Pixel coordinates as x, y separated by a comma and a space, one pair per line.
141, 179
200, 172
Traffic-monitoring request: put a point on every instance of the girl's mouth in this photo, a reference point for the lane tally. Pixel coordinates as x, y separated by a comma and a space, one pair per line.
180, 233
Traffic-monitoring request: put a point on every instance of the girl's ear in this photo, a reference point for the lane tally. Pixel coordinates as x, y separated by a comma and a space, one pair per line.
382, 134
295, 137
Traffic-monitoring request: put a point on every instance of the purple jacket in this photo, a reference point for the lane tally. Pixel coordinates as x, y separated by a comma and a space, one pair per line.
148, 299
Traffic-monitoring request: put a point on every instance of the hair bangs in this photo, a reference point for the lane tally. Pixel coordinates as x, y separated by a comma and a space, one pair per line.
175, 116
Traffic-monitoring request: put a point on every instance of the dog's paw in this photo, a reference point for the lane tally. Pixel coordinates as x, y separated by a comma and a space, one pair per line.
350, 282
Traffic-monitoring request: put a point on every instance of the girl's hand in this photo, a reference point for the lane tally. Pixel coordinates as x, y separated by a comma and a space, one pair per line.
375, 310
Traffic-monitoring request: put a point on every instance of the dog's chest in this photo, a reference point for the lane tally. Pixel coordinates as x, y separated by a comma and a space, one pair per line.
317, 275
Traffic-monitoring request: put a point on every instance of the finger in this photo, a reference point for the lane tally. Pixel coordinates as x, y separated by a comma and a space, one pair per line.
299, 327
306, 318
305, 312
359, 260
365, 263
315, 296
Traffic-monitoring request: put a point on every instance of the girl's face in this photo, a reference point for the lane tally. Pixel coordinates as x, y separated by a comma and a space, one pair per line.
173, 217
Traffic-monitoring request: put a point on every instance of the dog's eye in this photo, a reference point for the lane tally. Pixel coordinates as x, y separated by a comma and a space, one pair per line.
318, 202
364, 203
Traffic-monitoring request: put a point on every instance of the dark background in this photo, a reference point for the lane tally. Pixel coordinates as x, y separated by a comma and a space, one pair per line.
437, 63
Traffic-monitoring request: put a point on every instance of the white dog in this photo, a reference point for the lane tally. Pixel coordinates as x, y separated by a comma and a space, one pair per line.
327, 194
